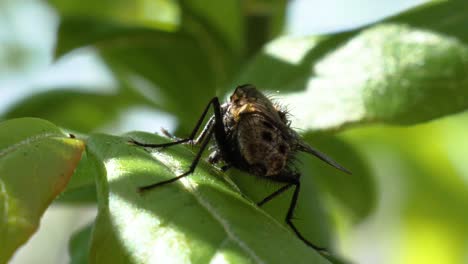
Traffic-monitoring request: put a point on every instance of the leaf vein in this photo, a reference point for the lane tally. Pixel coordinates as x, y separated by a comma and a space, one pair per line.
26, 141
225, 225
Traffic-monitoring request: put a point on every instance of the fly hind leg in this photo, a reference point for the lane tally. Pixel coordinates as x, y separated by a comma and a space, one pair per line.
291, 182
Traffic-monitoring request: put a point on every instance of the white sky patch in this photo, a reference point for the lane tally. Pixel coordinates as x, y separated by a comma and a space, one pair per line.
82, 68
311, 17
78, 71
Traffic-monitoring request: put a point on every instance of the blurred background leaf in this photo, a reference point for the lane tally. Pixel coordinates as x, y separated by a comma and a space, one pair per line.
423, 188
355, 193
79, 245
193, 61
94, 109
162, 14
155, 58
265, 20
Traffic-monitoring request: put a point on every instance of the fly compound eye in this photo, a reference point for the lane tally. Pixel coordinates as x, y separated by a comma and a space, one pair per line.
235, 100
243, 90
236, 96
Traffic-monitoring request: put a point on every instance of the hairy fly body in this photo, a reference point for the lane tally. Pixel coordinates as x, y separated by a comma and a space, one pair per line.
254, 135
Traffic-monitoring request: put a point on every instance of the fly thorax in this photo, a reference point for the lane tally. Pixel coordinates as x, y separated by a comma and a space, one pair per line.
262, 145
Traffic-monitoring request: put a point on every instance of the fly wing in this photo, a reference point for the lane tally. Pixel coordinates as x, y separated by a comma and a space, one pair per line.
308, 149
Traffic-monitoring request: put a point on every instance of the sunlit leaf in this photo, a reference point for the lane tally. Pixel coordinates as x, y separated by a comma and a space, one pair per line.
405, 70
197, 219
160, 14
82, 186
310, 215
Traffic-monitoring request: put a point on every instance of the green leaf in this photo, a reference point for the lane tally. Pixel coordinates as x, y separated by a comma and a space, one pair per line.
422, 173
264, 21
310, 215
36, 162
161, 14
197, 219
406, 70
73, 109
355, 192
221, 21
82, 186
79, 244
219, 33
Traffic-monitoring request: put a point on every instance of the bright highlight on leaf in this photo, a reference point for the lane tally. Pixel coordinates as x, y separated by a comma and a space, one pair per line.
397, 72
191, 220
290, 50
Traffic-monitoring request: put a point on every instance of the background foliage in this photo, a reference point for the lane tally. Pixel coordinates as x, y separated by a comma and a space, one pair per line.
346, 91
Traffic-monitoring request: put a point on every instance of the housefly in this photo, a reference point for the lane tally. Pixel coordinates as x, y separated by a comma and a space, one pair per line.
252, 134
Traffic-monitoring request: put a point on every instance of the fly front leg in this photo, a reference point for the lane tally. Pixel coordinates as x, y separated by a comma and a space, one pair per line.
214, 126
191, 139
188, 172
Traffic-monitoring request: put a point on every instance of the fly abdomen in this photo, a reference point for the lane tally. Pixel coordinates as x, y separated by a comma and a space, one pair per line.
262, 145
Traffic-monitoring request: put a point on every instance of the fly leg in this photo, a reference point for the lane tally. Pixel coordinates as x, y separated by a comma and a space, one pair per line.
191, 138
169, 134
214, 126
291, 182
188, 172
275, 193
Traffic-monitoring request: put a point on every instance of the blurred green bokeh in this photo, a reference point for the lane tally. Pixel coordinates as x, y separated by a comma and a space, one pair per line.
385, 99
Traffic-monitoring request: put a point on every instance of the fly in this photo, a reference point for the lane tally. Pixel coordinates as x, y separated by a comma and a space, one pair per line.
254, 135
